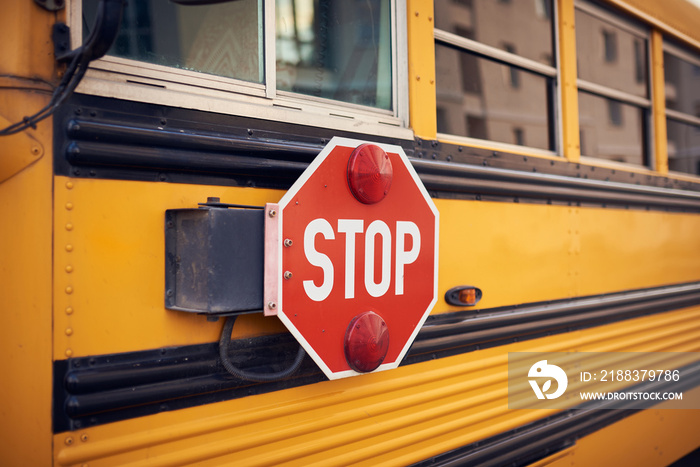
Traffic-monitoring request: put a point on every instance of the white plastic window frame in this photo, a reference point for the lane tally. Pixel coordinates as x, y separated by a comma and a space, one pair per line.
507, 58
134, 80
621, 96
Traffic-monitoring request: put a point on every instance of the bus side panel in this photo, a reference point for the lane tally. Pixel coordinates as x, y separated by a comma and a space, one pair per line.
25, 237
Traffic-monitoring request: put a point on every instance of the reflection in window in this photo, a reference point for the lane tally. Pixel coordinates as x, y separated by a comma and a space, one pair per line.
682, 74
519, 136
611, 130
614, 104
332, 49
640, 62
198, 38
611, 56
614, 112
525, 23
336, 49
682, 84
492, 111
683, 147
513, 72
481, 97
610, 46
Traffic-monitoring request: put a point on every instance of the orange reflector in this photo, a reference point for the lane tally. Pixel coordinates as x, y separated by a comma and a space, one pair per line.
467, 296
464, 295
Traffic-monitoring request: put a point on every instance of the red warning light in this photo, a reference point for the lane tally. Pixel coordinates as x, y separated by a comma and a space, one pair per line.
369, 173
366, 342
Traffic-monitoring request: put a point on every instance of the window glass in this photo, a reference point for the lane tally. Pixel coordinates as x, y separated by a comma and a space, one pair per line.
682, 75
683, 147
611, 56
480, 98
332, 49
223, 39
525, 23
336, 49
611, 130
682, 85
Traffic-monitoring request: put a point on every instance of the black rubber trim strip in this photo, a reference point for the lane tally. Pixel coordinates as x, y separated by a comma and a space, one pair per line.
545, 437
459, 332
443, 176
102, 389
107, 138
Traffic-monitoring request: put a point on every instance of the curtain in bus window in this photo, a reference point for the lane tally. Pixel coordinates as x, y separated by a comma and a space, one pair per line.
336, 49
222, 39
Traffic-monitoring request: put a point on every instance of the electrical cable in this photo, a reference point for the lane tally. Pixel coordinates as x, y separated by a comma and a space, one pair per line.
224, 342
107, 23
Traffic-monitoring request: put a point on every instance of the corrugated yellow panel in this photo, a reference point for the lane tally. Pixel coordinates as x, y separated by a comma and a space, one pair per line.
653, 438
390, 418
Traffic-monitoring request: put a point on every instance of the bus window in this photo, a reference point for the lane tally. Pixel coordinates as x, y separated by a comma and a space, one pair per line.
337, 49
325, 54
196, 38
495, 82
614, 104
682, 76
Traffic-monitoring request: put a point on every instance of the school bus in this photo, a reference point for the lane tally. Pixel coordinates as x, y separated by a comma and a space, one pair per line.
558, 139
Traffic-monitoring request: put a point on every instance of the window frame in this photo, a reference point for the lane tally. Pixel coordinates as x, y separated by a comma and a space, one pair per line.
130, 79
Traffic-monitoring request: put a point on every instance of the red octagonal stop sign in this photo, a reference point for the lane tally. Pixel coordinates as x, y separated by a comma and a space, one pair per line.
351, 257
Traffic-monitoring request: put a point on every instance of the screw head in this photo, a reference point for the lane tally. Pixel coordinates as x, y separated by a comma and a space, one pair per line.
288, 242
271, 305
272, 213
287, 275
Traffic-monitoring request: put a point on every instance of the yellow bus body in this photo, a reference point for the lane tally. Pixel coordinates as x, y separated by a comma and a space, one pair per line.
81, 268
